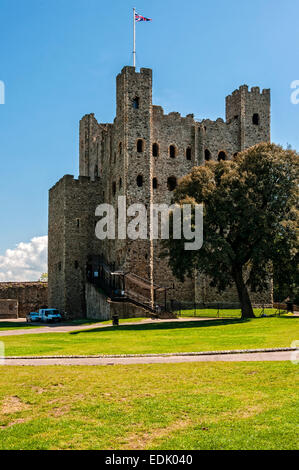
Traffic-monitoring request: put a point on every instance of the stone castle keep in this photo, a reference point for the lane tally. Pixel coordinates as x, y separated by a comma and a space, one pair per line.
141, 156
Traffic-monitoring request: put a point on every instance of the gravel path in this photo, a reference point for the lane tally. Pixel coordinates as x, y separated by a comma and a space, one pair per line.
105, 361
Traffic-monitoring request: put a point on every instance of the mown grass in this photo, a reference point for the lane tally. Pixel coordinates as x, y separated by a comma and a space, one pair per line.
126, 320
158, 406
161, 338
9, 325
224, 313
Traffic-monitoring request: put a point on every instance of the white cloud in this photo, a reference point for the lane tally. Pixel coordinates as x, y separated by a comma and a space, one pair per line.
26, 262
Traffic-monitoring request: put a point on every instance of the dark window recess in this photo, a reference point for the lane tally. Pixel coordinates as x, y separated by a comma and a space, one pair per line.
96, 171
120, 183
155, 183
235, 154
155, 150
221, 156
171, 183
76, 264
136, 102
188, 153
120, 148
172, 151
59, 266
113, 188
139, 181
207, 155
255, 119
78, 223
139, 145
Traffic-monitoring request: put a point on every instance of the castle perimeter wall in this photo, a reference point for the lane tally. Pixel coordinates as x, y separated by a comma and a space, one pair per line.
30, 295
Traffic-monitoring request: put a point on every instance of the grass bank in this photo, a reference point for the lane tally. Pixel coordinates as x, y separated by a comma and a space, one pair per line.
161, 406
161, 338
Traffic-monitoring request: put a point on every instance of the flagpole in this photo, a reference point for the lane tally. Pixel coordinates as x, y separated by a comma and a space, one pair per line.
134, 38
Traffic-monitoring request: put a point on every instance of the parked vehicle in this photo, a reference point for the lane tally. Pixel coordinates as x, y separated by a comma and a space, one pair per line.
33, 317
50, 315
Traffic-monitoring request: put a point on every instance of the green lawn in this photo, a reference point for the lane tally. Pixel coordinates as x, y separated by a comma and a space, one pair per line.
10, 325
225, 313
161, 337
126, 320
157, 406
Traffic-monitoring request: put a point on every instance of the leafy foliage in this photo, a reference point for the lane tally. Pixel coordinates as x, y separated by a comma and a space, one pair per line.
250, 220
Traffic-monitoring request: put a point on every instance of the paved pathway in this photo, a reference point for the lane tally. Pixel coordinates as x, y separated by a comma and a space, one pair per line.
105, 361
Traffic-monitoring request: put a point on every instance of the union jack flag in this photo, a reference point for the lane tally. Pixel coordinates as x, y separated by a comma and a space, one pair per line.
141, 18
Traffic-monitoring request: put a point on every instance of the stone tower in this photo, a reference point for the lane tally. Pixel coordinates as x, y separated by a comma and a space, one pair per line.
141, 155
252, 110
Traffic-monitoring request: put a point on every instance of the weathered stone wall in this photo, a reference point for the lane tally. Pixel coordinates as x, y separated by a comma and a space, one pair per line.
99, 308
242, 105
206, 294
9, 308
30, 295
71, 241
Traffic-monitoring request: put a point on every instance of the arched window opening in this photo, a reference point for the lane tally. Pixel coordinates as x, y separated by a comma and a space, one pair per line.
96, 171
207, 155
113, 188
155, 150
120, 148
139, 181
136, 102
172, 151
155, 183
140, 146
188, 153
172, 183
120, 183
221, 156
255, 119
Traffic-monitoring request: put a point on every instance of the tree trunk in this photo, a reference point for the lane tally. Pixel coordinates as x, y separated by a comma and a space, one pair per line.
247, 311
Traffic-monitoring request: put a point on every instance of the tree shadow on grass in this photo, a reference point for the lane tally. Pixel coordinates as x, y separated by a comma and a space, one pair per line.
164, 326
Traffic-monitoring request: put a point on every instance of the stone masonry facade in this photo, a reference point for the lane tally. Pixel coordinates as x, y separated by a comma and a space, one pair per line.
141, 155
28, 296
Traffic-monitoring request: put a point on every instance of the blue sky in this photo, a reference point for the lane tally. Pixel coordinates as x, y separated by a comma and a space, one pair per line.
59, 59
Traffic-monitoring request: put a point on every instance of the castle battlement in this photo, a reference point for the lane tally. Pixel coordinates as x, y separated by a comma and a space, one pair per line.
245, 89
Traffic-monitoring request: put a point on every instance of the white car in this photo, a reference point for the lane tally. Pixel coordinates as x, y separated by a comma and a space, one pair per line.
50, 315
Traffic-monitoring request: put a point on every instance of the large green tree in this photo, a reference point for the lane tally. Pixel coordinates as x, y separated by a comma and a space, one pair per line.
250, 220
